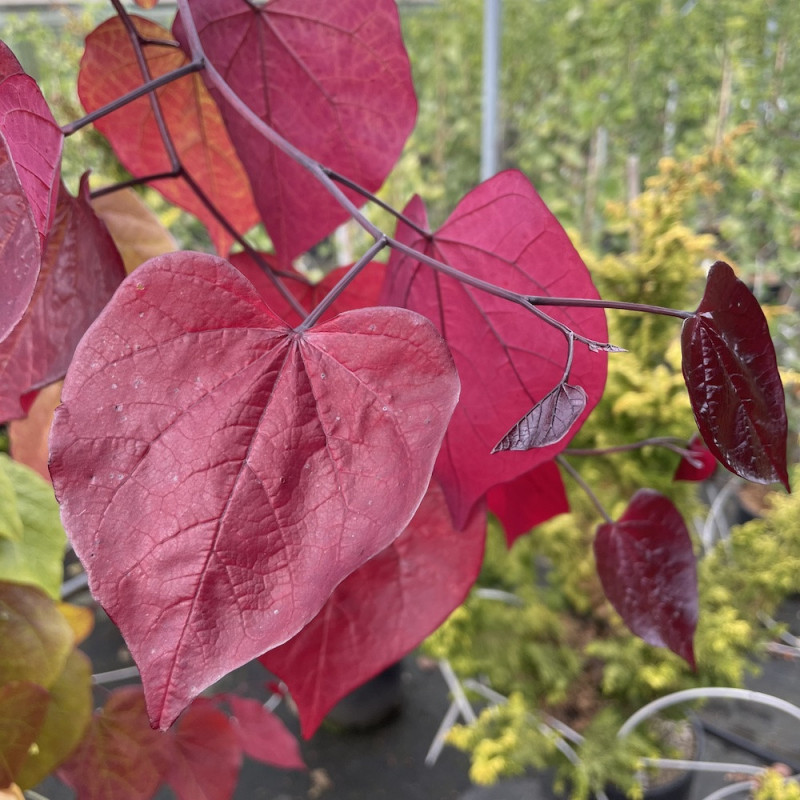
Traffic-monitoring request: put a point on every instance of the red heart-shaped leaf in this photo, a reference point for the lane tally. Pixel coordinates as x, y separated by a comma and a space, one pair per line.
109, 69
507, 359
382, 611
529, 500
120, 756
219, 474
648, 570
206, 756
80, 270
33, 139
731, 375
332, 78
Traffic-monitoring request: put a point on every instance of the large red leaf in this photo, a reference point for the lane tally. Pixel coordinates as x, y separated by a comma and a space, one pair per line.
332, 78
507, 359
731, 374
262, 735
23, 706
648, 570
362, 292
20, 251
120, 756
109, 69
80, 270
207, 755
382, 611
220, 474
33, 139
529, 500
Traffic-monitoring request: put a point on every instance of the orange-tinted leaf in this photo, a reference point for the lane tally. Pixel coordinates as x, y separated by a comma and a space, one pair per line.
28, 437
731, 375
23, 706
109, 69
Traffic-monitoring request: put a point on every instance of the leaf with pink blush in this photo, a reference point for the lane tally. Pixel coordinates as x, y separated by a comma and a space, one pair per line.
332, 78
80, 270
220, 474
731, 374
422, 577
508, 359
648, 569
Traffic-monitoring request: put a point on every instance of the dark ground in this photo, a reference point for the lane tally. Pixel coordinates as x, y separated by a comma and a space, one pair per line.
387, 763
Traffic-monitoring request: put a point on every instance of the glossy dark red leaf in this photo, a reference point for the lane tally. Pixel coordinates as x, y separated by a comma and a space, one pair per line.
548, 422
382, 611
220, 474
332, 78
363, 292
33, 139
109, 69
120, 756
206, 755
529, 500
23, 707
20, 251
262, 735
648, 570
80, 270
700, 466
731, 375
507, 359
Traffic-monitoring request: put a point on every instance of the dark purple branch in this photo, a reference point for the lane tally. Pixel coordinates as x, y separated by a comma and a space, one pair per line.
573, 473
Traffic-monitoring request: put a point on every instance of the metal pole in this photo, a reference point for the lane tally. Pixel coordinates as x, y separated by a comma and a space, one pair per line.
492, 34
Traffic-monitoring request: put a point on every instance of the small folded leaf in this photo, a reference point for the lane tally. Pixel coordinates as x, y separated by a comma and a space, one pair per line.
731, 374
548, 422
648, 571
382, 611
529, 500
700, 466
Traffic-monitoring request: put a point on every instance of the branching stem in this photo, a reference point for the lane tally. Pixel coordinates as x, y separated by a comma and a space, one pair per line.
574, 474
668, 442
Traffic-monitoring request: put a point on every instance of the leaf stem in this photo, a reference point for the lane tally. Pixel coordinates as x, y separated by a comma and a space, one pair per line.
581, 302
669, 442
573, 473
146, 88
329, 298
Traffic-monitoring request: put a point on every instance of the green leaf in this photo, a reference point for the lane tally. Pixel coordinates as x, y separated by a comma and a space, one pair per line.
36, 555
66, 721
22, 710
10, 520
36, 639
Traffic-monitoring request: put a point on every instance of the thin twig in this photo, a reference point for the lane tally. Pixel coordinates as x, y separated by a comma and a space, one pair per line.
573, 473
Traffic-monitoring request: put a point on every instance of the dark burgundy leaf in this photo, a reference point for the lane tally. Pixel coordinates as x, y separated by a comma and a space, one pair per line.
20, 252
548, 422
704, 462
529, 500
648, 570
23, 706
507, 359
120, 756
109, 69
33, 139
207, 755
80, 270
732, 378
262, 735
220, 474
382, 611
333, 78
363, 292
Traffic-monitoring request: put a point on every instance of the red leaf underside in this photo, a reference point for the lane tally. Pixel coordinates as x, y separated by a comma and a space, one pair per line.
80, 270
382, 611
648, 571
333, 79
109, 69
507, 359
219, 474
262, 735
731, 374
